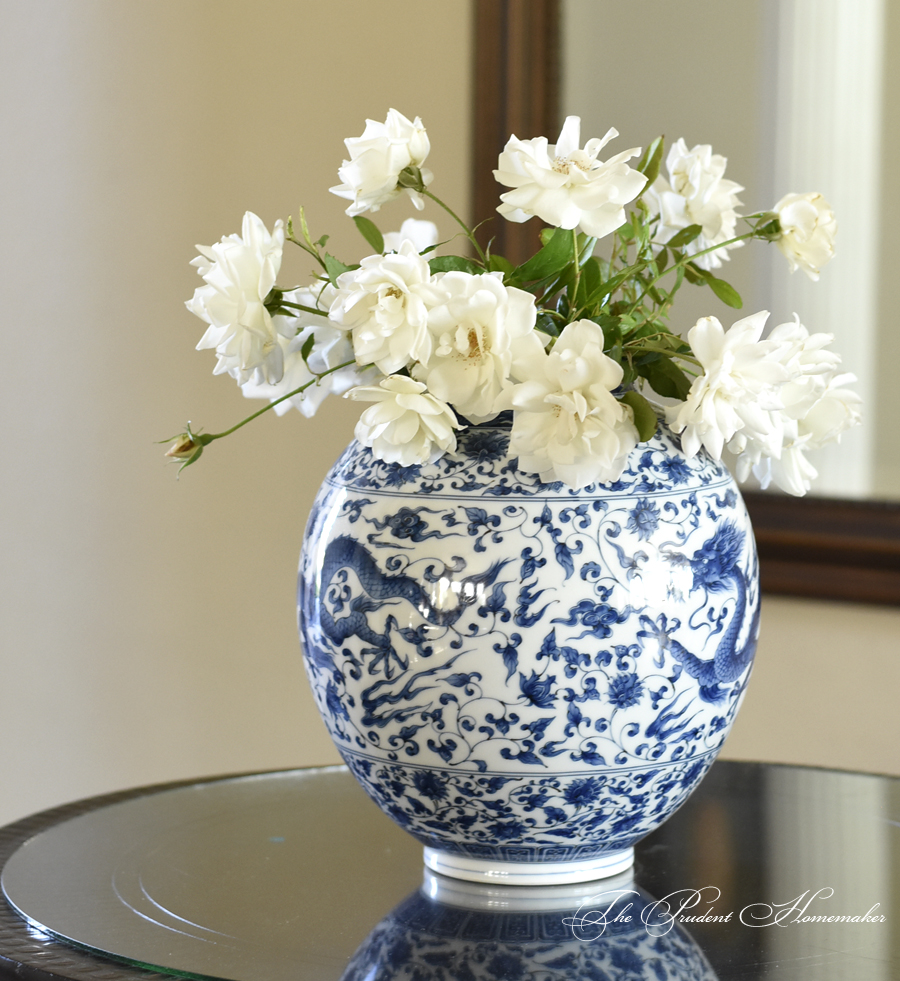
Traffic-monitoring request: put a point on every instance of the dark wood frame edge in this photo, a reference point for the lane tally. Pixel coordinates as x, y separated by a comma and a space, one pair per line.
812, 547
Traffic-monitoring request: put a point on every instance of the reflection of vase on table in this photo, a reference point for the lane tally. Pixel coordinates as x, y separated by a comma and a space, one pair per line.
526, 677
466, 931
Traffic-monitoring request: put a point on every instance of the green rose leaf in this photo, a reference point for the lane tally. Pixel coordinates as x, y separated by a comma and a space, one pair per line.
725, 292
306, 350
497, 263
644, 417
694, 274
612, 330
552, 258
651, 160
611, 285
666, 378
334, 268
453, 263
590, 280
369, 231
546, 325
586, 246
685, 236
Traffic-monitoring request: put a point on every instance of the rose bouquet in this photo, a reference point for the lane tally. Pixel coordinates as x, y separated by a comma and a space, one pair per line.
574, 342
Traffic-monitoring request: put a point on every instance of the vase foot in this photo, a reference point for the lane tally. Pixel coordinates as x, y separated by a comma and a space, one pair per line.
528, 873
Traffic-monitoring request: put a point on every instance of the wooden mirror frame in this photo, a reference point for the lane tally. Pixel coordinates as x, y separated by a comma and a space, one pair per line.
814, 547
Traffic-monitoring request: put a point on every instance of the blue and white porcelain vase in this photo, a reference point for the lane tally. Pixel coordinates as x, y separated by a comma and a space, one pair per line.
528, 678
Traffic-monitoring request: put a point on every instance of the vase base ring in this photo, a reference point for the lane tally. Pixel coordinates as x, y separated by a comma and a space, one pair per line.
528, 873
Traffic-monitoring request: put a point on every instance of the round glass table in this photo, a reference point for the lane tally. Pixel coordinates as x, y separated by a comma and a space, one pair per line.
767, 872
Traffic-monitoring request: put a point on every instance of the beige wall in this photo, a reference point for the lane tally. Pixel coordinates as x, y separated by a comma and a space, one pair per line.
147, 625
824, 688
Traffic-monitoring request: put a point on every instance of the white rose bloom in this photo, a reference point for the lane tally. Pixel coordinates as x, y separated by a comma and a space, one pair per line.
568, 425
331, 348
830, 416
736, 392
422, 234
808, 231
790, 471
239, 271
566, 186
815, 409
696, 194
407, 425
835, 412
810, 367
377, 159
385, 304
476, 327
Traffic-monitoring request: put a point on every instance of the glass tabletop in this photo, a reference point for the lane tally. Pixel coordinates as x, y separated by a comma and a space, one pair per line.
767, 872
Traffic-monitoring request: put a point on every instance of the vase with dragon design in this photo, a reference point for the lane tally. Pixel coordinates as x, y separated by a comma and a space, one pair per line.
528, 678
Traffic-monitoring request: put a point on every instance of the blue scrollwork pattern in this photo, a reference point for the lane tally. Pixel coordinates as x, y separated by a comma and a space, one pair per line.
519, 670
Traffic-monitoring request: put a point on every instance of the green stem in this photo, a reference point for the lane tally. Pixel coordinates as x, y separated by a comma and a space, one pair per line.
633, 269
577, 257
684, 260
299, 306
302, 388
306, 248
669, 352
712, 248
661, 311
469, 233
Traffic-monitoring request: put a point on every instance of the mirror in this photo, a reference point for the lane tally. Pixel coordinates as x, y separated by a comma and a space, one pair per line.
790, 115
756, 79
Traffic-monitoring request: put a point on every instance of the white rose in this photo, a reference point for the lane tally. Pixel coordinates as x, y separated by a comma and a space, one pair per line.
566, 186
422, 234
239, 272
385, 304
407, 425
810, 366
814, 408
790, 471
829, 417
696, 194
568, 425
331, 348
377, 158
808, 230
736, 392
836, 411
475, 329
